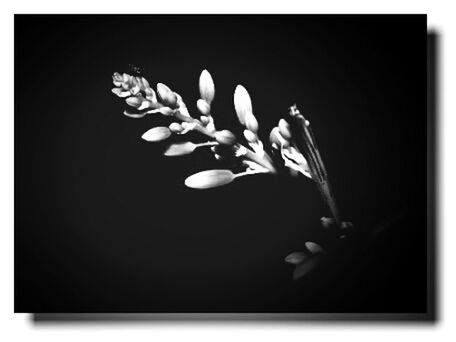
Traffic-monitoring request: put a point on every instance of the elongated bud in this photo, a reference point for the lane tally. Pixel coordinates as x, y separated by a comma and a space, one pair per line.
209, 179
206, 86
314, 248
296, 258
176, 127
156, 134
225, 137
203, 107
180, 149
251, 122
284, 129
242, 103
250, 136
166, 95
134, 101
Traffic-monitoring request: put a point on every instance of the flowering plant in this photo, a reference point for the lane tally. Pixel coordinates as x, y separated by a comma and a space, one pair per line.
291, 142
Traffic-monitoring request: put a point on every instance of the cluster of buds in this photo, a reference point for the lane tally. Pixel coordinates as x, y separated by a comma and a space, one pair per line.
144, 100
292, 138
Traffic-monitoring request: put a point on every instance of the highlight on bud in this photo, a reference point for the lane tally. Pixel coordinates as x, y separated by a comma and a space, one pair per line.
209, 179
203, 106
166, 95
242, 103
180, 149
225, 137
156, 134
206, 86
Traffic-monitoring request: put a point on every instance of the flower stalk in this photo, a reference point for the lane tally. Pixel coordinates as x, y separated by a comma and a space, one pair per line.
304, 140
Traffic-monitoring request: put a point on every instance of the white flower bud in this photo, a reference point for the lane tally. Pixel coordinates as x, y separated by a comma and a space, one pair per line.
166, 95
203, 107
180, 149
209, 179
206, 86
156, 134
250, 136
134, 101
277, 139
176, 127
225, 137
242, 103
314, 248
204, 119
296, 258
284, 129
251, 122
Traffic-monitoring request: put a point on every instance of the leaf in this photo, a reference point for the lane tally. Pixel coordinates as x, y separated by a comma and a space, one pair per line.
209, 179
156, 134
314, 248
242, 103
296, 257
180, 149
307, 266
206, 86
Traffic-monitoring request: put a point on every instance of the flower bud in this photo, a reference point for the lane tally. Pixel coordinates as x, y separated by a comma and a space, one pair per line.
156, 134
314, 248
251, 122
180, 149
242, 103
134, 101
204, 119
209, 179
176, 127
296, 258
117, 79
203, 107
327, 222
250, 136
284, 129
277, 139
206, 86
166, 95
225, 137
150, 94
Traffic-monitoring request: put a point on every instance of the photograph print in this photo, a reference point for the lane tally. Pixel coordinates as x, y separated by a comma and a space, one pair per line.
224, 164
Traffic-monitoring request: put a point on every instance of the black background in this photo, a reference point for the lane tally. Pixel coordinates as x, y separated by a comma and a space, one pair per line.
103, 221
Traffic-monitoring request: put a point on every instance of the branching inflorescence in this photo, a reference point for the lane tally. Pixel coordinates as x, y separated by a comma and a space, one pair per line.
292, 139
